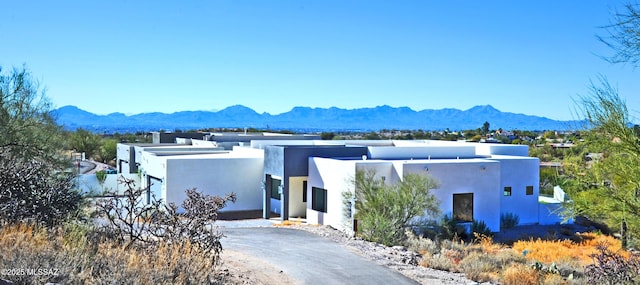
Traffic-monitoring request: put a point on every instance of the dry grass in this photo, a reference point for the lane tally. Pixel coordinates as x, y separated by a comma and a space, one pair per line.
561, 262
565, 250
520, 274
76, 256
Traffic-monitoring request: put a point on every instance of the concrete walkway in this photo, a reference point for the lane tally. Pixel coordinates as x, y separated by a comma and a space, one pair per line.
309, 258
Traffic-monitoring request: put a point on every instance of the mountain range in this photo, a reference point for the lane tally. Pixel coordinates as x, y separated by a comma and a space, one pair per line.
306, 119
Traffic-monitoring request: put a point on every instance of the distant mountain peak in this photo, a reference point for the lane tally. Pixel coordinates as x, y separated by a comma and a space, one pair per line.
483, 108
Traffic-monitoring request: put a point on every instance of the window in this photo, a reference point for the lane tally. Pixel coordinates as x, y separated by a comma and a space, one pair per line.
275, 188
154, 189
463, 207
304, 191
507, 191
319, 199
529, 190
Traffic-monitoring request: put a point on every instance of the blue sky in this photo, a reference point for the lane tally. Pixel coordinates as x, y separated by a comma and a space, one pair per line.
528, 57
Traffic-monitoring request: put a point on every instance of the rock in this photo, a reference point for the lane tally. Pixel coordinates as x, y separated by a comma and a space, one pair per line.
399, 248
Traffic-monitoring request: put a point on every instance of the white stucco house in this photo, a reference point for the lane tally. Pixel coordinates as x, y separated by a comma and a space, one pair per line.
476, 181
307, 178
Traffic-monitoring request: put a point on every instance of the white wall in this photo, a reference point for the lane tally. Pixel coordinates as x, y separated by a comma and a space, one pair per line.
88, 183
478, 176
335, 176
217, 176
550, 214
155, 166
450, 151
123, 154
501, 149
518, 173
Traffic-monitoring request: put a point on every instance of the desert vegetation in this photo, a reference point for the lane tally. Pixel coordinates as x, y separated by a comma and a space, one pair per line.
127, 242
591, 259
50, 232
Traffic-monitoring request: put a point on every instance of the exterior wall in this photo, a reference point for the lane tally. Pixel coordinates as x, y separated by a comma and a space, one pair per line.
158, 137
383, 169
518, 173
125, 158
287, 162
334, 176
196, 142
88, 183
274, 166
501, 149
156, 167
216, 176
549, 214
478, 176
421, 152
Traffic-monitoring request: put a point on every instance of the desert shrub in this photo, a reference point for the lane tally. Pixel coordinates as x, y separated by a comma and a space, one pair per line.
384, 212
483, 265
31, 191
480, 227
424, 246
448, 229
439, 262
610, 267
101, 175
194, 224
132, 221
480, 267
520, 274
127, 216
509, 220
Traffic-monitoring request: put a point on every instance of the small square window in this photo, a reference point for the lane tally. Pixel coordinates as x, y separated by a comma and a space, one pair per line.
529, 190
507, 191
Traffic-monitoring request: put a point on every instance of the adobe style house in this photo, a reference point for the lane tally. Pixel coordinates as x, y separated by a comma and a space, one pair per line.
300, 177
474, 183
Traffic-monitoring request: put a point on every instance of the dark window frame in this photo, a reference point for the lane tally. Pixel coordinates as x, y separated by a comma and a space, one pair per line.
508, 191
304, 191
319, 199
463, 207
529, 190
275, 193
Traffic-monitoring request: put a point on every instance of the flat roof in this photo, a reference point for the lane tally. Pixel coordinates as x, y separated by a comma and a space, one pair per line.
417, 161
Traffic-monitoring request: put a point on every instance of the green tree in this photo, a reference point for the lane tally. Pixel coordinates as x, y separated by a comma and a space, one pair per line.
34, 184
485, 128
623, 36
85, 141
28, 130
327, 135
109, 150
384, 211
607, 189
